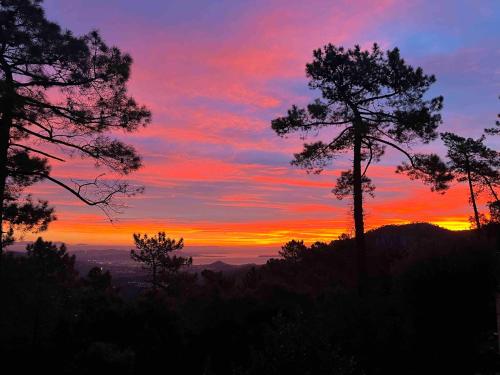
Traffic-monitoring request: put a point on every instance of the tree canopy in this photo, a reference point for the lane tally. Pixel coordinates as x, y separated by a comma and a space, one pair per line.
293, 250
155, 253
61, 96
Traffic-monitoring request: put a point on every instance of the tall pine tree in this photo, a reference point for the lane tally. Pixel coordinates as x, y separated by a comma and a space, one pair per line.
375, 100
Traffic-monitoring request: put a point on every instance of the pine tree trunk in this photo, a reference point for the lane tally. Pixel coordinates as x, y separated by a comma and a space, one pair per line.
473, 198
4, 144
6, 108
358, 210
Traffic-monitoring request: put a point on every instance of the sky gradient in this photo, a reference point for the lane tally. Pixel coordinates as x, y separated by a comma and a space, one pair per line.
215, 73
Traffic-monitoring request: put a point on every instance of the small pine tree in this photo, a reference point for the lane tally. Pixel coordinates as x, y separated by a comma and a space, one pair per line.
155, 255
293, 251
470, 161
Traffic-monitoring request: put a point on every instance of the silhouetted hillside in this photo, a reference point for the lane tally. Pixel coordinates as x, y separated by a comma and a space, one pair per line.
429, 308
410, 232
391, 249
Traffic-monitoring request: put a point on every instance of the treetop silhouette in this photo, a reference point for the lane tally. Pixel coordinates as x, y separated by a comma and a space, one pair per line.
293, 250
376, 100
468, 160
155, 253
60, 96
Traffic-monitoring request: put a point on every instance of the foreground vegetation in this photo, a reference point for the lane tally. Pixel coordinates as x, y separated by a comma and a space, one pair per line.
429, 309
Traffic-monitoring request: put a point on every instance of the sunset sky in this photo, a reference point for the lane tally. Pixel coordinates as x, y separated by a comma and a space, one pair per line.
215, 73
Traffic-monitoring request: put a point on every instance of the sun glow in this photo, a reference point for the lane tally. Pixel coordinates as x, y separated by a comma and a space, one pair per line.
94, 230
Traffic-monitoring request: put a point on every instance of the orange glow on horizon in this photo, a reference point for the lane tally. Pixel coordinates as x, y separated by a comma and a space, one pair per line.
94, 231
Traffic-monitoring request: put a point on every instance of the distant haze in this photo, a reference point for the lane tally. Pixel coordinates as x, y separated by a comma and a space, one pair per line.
200, 254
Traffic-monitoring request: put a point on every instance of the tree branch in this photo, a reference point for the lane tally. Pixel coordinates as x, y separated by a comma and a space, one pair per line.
327, 123
337, 138
378, 97
369, 160
54, 140
74, 192
37, 151
396, 147
493, 192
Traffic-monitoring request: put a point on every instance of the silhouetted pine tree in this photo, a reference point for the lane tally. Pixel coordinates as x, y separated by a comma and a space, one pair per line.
376, 100
155, 255
469, 160
473, 162
57, 89
293, 250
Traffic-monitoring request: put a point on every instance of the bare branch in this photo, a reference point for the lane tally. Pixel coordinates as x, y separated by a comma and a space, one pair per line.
369, 160
54, 140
